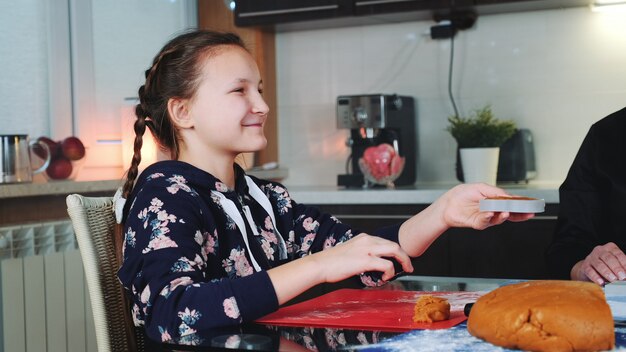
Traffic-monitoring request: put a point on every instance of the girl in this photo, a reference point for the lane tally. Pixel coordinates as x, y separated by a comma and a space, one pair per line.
206, 245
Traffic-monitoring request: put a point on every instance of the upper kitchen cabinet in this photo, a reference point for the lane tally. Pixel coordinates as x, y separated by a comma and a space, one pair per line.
267, 12
375, 7
313, 14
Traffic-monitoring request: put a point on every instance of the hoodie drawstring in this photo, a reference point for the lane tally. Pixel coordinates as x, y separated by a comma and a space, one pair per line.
231, 210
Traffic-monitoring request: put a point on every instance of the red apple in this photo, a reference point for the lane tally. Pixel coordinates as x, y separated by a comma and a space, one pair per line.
397, 165
55, 148
59, 169
73, 148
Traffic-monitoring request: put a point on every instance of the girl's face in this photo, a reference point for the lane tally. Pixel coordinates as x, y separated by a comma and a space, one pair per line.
228, 111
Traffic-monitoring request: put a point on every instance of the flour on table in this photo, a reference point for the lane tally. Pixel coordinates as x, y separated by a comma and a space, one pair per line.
454, 339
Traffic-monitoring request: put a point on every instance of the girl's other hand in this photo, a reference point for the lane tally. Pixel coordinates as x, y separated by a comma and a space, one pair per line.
360, 254
460, 207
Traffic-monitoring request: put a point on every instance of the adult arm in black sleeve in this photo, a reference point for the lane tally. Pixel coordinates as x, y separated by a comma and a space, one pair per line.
590, 232
579, 206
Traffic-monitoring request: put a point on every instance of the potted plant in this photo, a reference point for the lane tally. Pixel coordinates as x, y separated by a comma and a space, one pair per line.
479, 137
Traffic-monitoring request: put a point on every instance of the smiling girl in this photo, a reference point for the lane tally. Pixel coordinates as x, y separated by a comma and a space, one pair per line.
204, 244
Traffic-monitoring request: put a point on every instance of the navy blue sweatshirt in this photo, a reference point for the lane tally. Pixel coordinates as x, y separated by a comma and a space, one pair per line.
190, 267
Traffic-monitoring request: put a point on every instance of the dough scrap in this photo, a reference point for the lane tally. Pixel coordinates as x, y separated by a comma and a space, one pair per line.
429, 309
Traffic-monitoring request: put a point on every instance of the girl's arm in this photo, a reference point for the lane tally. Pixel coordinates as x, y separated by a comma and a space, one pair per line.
360, 254
456, 208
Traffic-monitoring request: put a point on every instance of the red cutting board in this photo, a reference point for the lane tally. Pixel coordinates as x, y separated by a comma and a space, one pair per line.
368, 309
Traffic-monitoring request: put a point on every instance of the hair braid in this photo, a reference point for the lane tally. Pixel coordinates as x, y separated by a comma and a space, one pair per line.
156, 63
133, 170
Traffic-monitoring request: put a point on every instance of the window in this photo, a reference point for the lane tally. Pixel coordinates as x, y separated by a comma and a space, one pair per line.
67, 65
28, 48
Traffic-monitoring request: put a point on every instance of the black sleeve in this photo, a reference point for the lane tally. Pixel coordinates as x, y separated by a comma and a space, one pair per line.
390, 232
580, 212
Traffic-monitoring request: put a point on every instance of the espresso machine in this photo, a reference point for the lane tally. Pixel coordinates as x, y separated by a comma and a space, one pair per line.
372, 120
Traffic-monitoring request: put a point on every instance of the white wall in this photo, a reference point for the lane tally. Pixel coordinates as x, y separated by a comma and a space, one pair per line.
23, 67
554, 72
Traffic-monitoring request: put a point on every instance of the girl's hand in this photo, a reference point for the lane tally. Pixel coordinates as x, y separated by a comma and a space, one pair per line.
360, 254
353, 257
460, 207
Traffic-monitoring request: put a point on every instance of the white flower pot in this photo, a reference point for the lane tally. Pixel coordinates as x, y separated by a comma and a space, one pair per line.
480, 164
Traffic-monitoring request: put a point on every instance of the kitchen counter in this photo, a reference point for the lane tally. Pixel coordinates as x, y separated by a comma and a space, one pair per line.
62, 187
419, 194
44, 200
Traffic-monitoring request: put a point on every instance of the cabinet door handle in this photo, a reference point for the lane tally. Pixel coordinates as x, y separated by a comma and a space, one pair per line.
544, 217
361, 216
285, 11
377, 2
403, 216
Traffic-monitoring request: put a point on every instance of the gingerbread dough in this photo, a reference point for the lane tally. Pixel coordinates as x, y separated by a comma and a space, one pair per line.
545, 316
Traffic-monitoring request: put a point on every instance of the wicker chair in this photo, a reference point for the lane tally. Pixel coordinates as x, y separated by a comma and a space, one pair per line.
94, 224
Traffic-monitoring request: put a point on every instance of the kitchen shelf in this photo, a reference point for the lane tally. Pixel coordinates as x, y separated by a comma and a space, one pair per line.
64, 187
57, 187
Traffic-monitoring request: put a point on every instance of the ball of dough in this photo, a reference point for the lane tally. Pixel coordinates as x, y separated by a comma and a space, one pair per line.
545, 316
430, 308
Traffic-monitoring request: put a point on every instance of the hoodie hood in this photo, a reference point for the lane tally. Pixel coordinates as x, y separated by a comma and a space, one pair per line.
195, 178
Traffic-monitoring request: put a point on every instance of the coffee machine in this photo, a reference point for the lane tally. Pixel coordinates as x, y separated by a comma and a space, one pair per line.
375, 119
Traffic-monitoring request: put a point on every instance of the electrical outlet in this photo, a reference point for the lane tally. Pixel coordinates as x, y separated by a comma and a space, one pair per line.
443, 30
449, 24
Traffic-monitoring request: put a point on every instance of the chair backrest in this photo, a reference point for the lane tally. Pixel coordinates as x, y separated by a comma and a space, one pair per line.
93, 220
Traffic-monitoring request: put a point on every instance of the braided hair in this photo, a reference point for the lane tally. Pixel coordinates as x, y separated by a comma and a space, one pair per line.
175, 73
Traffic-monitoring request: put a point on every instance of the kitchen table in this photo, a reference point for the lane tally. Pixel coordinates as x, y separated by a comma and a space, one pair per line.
329, 338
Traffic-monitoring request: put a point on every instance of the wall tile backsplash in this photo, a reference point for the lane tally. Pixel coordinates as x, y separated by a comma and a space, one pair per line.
554, 72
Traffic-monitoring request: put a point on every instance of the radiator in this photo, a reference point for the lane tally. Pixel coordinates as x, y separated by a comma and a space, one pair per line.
45, 303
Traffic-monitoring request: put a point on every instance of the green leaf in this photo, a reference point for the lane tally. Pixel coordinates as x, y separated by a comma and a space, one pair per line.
480, 130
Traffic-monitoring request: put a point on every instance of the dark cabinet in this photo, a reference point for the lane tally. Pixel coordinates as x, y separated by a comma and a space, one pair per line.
510, 250
270, 12
375, 7
266, 12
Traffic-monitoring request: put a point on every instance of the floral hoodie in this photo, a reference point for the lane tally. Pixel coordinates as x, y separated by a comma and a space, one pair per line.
186, 264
